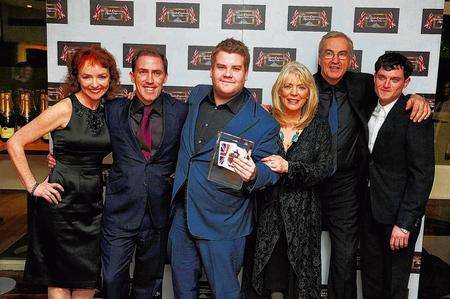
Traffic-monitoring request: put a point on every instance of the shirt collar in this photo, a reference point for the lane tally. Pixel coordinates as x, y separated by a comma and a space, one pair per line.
385, 108
137, 105
234, 104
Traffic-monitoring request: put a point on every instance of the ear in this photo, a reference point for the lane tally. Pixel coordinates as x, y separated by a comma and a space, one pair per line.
406, 83
132, 77
246, 74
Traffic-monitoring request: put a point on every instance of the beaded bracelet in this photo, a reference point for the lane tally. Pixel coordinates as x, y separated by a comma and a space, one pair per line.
34, 188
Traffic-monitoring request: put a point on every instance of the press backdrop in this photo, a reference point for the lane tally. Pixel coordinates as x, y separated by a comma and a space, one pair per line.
275, 32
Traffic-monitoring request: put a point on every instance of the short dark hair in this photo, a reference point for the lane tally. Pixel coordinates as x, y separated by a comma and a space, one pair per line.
232, 46
149, 51
394, 60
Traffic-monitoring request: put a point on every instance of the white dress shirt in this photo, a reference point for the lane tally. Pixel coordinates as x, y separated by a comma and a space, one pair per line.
379, 114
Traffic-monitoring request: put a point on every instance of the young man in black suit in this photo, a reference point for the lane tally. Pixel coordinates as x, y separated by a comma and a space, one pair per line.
401, 172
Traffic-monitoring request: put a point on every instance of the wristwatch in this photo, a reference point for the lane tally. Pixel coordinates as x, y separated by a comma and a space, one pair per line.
404, 230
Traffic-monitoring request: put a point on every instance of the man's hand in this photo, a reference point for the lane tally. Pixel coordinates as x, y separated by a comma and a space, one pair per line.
245, 168
51, 161
399, 239
276, 163
420, 108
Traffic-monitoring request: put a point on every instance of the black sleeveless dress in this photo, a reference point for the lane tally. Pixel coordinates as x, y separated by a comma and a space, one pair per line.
64, 239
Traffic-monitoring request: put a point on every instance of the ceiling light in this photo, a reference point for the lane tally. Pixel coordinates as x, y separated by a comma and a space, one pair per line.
29, 6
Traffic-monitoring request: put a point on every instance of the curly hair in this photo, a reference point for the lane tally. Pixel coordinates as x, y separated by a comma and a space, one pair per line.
92, 55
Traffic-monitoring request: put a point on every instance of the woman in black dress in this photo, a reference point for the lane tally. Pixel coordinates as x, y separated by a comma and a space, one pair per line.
287, 252
65, 210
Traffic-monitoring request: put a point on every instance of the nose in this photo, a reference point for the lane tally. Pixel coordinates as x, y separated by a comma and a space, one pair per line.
94, 82
228, 72
294, 90
386, 83
335, 58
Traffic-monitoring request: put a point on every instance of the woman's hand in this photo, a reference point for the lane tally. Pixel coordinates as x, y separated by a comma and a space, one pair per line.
49, 191
276, 163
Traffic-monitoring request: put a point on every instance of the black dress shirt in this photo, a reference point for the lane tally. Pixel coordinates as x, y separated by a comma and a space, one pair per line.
348, 132
156, 120
213, 118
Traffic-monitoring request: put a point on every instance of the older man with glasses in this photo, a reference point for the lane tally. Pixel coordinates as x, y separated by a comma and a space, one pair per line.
344, 100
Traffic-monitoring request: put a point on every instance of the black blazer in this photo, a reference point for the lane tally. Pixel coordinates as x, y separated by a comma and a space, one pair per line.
135, 184
401, 168
362, 100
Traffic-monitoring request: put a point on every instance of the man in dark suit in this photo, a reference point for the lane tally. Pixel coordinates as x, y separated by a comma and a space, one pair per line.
344, 98
145, 136
211, 221
401, 173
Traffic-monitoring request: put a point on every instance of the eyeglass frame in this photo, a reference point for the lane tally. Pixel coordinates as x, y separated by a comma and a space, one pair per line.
338, 54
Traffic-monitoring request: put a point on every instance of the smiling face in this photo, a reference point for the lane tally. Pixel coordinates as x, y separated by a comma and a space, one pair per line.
94, 80
228, 75
293, 94
334, 59
149, 77
389, 85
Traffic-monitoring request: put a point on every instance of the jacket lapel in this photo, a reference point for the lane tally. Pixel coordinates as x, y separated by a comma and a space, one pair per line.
390, 121
168, 119
352, 95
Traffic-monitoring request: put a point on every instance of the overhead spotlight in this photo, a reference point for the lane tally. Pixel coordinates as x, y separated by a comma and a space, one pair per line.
29, 6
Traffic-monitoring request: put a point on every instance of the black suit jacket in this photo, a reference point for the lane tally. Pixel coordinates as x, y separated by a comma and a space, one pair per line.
135, 184
401, 168
362, 100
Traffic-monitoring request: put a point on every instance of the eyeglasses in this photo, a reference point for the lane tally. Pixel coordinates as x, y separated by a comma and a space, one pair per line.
328, 54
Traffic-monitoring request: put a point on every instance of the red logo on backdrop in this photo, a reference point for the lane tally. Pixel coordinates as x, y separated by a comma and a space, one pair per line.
419, 60
278, 58
432, 21
186, 15
201, 57
254, 16
386, 19
376, 20
354, 62
319, 19
130, 55
55, 11
118, 12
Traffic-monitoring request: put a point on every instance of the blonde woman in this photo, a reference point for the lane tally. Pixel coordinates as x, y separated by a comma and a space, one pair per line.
288, 229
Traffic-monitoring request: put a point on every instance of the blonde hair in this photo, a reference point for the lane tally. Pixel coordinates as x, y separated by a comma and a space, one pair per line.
304, 76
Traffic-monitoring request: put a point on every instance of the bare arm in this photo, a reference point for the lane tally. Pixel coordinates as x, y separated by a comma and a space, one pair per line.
56, 116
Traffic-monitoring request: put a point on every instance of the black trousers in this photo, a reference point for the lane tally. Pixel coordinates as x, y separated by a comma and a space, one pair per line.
340, 209
385, 273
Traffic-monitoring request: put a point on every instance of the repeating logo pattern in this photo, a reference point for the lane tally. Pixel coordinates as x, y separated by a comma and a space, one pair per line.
355, 61
420, 61
376, 20
180, 93
66, 49
56, 11
432, 21
177, 15
272, 59
257, 94
114, 13
55, 92
247, 17
199, 57
129, 50
309, 18
126, 89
